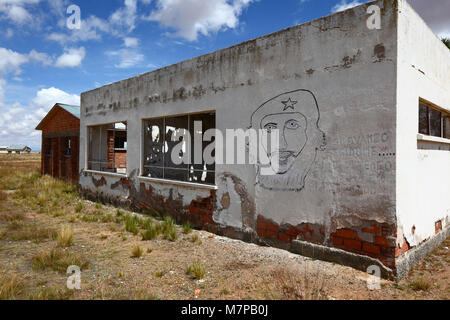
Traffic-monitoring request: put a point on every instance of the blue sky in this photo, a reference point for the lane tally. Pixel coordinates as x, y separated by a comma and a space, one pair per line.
42, 61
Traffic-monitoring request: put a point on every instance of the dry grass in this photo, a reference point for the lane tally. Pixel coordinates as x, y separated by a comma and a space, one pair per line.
58, 260
420, 285
196, 270
290, 285
11, 286
52, 293
137, 251
8, 216
3, 195
65, 237
41, 205
23, 231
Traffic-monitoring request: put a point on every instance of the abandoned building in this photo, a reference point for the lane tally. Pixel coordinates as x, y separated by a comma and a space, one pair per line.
364, 112
60, 142
16, 149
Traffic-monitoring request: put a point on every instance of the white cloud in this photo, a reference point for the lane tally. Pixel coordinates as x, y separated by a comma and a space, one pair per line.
91, 29
345, 4
131, 42
10, 61
18, 14
71, 58
43, 58
193, 17
2, 92
125, 18
127, 58
120, 23
18, 122
14, 10
46, 98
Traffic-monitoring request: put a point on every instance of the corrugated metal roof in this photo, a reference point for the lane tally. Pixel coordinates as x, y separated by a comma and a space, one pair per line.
75, 110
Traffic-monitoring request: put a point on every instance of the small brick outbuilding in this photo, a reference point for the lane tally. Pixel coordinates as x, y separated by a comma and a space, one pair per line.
60, 142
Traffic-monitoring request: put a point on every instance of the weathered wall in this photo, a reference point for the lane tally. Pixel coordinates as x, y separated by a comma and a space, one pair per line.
340, 189
423, 173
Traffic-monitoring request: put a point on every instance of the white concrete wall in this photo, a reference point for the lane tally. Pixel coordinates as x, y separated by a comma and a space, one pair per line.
351, 72
423, 176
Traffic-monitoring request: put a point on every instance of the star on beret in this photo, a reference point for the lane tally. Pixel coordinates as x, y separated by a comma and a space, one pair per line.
289, 104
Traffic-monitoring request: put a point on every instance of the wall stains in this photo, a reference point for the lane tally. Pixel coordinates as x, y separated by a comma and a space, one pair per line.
98, 182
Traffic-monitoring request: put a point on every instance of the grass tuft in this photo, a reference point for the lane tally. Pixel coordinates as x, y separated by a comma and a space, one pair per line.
195, 239
131, 224
196, 270
65, 237
58, 260
187, 229
137, 251
79, 207
10, 287
420, 285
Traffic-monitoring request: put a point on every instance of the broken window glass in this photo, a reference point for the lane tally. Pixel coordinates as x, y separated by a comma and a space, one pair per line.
169, 147
154, 148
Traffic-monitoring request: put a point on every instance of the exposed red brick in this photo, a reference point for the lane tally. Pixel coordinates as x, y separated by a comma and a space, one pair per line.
352, 244
370, 248
337, 241
438, 226
284, 237
382, 241
271, 235
346, 233
400, 250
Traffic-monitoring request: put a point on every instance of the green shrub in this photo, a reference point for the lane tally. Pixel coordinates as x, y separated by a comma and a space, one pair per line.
131, 224
187, 228
196, 270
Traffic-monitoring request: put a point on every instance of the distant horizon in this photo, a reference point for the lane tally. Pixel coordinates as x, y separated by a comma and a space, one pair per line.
33, 148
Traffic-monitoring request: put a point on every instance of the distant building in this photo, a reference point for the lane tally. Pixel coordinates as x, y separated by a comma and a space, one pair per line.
60, 142
3, 149
17, 148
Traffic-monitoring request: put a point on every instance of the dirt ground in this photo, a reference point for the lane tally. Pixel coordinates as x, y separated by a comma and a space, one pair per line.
37, 214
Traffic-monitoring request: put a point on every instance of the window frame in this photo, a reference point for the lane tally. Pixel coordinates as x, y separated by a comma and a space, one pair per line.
443, 113
165, 180
88, 151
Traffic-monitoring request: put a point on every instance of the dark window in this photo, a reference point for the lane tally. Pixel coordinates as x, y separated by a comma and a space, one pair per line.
433, 122
423, 119
68, 146
120, 140
158, 148
48, 146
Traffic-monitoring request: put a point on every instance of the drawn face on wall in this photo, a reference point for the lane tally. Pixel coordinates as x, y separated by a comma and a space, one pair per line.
292, 138
295, 117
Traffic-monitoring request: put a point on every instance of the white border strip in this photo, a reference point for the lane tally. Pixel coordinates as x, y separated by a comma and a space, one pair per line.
426, 138
103, 173
180, 183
